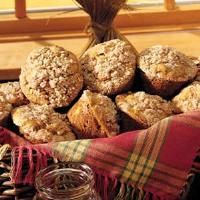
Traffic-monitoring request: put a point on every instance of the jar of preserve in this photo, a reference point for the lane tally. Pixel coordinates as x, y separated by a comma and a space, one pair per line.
66, 181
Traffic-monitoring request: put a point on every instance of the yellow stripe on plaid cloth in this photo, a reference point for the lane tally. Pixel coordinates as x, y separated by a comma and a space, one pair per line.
71, 150
144, 156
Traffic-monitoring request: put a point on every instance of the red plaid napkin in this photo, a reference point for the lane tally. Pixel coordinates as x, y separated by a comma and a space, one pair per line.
155, 163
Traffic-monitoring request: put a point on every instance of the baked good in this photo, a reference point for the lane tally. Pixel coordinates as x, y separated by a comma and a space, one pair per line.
41, 124
188, 99
109, 67
13, 93
5, 109
197, 78
144, 109
94, 115
196, 60
164, 70
52, 76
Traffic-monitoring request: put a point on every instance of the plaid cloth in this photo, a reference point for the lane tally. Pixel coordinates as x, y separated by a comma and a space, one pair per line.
155, 163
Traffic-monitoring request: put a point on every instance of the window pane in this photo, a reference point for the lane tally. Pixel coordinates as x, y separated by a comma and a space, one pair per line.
49, 3
56, 3
59, 4
145, 2
187, 1
7, 4
71, 3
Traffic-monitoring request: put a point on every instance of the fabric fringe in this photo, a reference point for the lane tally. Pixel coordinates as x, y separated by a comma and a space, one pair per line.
127, 192
114, 190
26, 162
196, 164
195, 169
108, 191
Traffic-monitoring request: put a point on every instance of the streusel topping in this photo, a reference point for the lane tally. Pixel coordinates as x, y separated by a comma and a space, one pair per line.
198, 76
196, 60
144, 107
166, 62
40, 124
13, 93
52, 75
188, 99
104, 111
94, 115
108, 66
5, 107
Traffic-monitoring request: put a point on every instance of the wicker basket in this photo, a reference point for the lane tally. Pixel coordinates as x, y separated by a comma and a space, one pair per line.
9, 190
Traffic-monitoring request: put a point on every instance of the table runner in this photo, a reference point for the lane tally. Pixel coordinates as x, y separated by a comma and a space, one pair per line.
156, 163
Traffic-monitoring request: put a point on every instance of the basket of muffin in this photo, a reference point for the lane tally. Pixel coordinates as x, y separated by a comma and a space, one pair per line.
105, 92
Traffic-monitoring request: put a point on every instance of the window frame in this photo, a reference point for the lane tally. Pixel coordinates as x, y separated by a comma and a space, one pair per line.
154, 16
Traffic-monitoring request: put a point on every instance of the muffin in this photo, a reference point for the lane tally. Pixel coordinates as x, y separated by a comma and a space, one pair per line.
164, 70
196, 60
52, 76
5, 109
188, 99
94, 115
41, 124
198, 76
144, 109
109, 67
198, 73
13, 93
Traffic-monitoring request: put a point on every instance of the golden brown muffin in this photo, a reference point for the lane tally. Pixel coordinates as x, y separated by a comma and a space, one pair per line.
188, 99
196, 60
51, 75
144, 109
109, 67
94, 115
41, 124
198, 76
13, 93
164, 70
5, 109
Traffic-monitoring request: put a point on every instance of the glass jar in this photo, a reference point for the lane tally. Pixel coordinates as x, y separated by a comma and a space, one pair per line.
66, 181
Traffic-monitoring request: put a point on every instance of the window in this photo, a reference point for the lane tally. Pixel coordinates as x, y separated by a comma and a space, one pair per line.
186, 2
47, 24
145, 13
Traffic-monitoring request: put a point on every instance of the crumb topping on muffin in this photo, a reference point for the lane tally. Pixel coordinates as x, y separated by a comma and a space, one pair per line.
188, 99
196, 60
94, 115
198, 76
108, 66
51, 75
13, 93
104, 111
145, 108
40, 124
5, 108
166, 62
